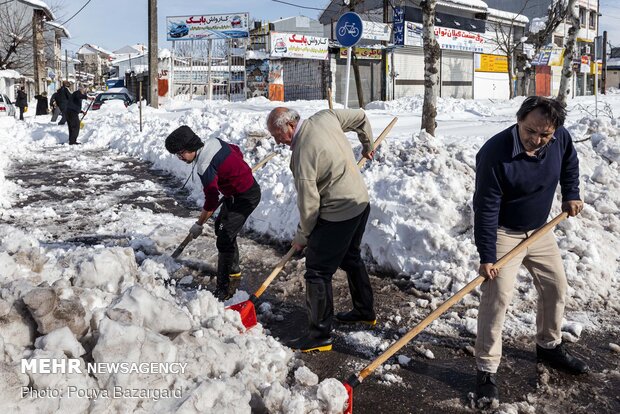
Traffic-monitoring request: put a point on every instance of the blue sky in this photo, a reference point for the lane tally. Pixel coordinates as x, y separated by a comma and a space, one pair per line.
112, 24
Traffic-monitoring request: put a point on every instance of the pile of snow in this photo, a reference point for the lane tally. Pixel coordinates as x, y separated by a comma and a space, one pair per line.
95, 305
421, 227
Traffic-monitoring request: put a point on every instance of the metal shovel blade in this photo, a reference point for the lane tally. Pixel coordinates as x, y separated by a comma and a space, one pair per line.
247, 312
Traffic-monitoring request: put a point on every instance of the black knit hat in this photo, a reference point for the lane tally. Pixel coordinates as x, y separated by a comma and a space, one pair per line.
183, 138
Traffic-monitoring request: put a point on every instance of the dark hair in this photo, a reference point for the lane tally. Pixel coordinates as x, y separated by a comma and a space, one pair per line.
183, 138
553, 109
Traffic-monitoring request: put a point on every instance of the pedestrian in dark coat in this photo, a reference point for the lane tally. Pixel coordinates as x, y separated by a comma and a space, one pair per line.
64, 95
21, 102
74, 108
54, 105
42, 106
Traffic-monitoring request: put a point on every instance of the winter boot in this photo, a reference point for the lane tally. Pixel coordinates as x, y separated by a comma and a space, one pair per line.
224, 262
486, 386
361, 295
559, 357
319, 303
234, 282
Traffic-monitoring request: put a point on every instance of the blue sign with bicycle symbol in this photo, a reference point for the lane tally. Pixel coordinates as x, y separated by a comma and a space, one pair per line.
349, 29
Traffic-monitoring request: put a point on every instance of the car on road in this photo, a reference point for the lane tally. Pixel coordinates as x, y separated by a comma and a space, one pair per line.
7, 108
178, 30
120, 94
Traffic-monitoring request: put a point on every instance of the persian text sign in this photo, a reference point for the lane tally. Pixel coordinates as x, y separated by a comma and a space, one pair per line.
491, 63
450, 39
208, 26
298, 46
376, 31
362, 53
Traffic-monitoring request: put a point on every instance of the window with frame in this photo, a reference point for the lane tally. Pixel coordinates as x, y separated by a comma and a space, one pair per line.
582, 17
592, 20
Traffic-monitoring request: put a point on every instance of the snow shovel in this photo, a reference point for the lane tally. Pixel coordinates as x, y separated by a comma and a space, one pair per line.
246, 308
177, 252
82, 123
356, 379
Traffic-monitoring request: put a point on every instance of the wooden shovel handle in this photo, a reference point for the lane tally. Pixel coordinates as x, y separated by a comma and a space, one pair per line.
329, 98
177, 252
377, 142
275, 272
458, 296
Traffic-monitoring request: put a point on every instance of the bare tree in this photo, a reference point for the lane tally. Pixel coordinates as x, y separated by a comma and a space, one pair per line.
557, 12
15, 37
504, 37
431, 73
567, 68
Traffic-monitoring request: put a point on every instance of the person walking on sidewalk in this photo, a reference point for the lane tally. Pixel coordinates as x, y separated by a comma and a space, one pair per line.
63, 98
517, 172
74, 109
21, 102
42, 106
333, 207
221, 169
54, 106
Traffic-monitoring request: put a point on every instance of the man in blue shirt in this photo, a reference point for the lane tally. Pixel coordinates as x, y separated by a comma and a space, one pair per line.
517, 173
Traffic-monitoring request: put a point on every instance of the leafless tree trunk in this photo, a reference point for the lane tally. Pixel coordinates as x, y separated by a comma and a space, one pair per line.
556, 15
431, 72
567, 69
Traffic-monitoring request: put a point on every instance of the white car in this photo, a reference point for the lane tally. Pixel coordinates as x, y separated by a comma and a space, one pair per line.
7, 108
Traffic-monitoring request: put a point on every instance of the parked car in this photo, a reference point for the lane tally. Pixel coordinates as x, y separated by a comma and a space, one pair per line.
112, 95
178, 30
7, 108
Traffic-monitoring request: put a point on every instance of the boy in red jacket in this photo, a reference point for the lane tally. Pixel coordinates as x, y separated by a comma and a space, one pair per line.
221, 169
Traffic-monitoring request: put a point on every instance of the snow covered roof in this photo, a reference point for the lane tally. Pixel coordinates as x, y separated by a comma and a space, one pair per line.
39, 5
475, 5
10, 73
503, 16
613, 62
93, 49
130, 49
59, 28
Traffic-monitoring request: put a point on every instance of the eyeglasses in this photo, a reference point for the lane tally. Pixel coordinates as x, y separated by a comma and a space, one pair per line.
181, 154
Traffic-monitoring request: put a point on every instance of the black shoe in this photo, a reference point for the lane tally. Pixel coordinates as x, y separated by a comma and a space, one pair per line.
222, 292
355, 316
486, 386
559, 357
308, 344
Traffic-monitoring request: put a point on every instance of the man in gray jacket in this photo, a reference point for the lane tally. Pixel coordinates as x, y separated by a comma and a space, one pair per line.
333, 210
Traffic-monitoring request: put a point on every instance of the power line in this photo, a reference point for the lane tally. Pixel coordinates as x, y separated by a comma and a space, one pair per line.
297, 5
76, 13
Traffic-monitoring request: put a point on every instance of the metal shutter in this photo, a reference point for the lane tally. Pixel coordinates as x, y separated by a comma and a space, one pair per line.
457, 74
409, 67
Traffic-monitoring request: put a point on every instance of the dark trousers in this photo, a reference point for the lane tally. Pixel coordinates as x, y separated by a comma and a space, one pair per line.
233, 215
73, 122
21, 113
334, 245
63, 117
55, 112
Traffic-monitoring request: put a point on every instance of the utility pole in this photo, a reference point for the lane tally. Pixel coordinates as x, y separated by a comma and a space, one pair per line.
66, 66
604, 52
356, 68
153, 55
384, 55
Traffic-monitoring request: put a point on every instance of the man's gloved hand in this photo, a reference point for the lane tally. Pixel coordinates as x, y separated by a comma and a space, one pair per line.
195, 230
